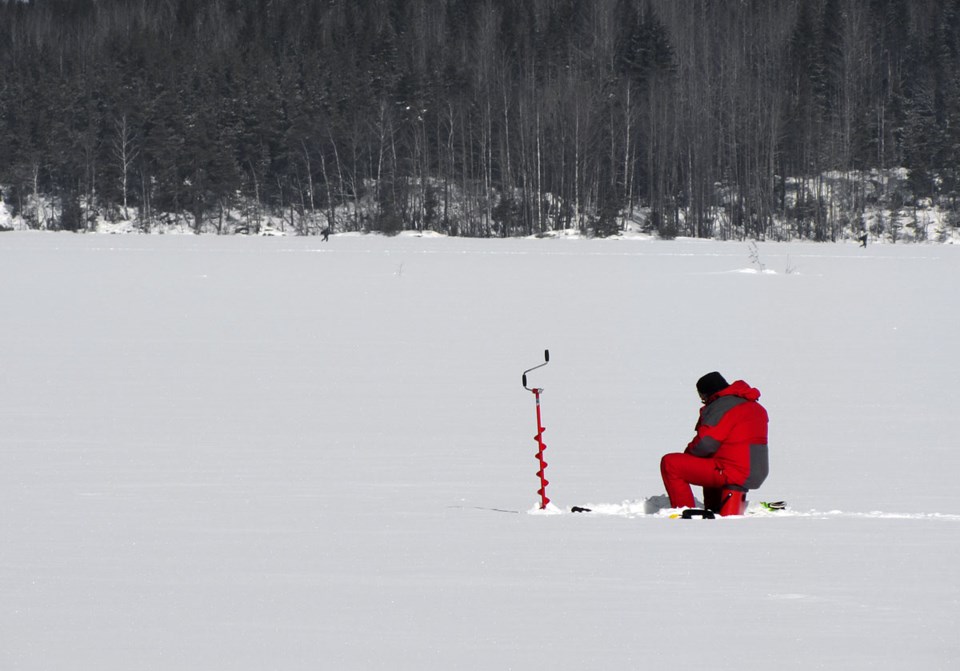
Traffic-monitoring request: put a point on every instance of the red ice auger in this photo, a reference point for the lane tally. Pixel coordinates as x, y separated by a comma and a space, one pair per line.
539, 437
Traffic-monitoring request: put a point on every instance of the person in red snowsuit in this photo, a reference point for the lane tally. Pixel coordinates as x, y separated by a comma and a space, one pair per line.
729, 450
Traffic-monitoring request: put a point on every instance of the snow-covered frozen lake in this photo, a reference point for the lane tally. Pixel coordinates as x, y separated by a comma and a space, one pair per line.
278, 453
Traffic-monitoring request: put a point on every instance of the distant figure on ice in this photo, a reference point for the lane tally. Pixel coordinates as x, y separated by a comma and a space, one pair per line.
729, 453
325, 233
863, 240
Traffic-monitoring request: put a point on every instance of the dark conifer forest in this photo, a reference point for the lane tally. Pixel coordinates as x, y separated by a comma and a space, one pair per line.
767, 119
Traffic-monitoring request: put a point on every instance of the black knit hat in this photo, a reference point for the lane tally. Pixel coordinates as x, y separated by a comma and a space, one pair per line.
710, 384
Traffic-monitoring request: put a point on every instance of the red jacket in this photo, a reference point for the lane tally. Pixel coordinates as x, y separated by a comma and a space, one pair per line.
732, 429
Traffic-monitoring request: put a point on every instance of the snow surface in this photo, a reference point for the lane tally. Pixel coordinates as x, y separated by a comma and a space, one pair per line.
279, 453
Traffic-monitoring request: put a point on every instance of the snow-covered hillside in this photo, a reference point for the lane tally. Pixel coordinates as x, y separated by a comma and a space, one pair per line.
278, 453
858, 202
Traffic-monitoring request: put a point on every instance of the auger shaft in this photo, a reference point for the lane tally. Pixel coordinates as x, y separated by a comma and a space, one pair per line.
540, 448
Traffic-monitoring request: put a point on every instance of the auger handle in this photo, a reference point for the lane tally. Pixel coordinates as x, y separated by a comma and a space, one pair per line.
546, 360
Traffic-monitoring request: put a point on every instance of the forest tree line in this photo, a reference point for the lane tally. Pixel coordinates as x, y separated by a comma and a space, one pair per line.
479, 117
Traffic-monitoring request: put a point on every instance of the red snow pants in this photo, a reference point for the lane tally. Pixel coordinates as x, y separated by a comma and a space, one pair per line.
681, 470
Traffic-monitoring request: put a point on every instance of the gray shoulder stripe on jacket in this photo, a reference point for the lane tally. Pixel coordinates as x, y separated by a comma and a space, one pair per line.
715, 411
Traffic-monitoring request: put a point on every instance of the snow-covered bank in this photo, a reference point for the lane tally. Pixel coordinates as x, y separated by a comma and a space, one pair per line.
922, 221
250, 453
